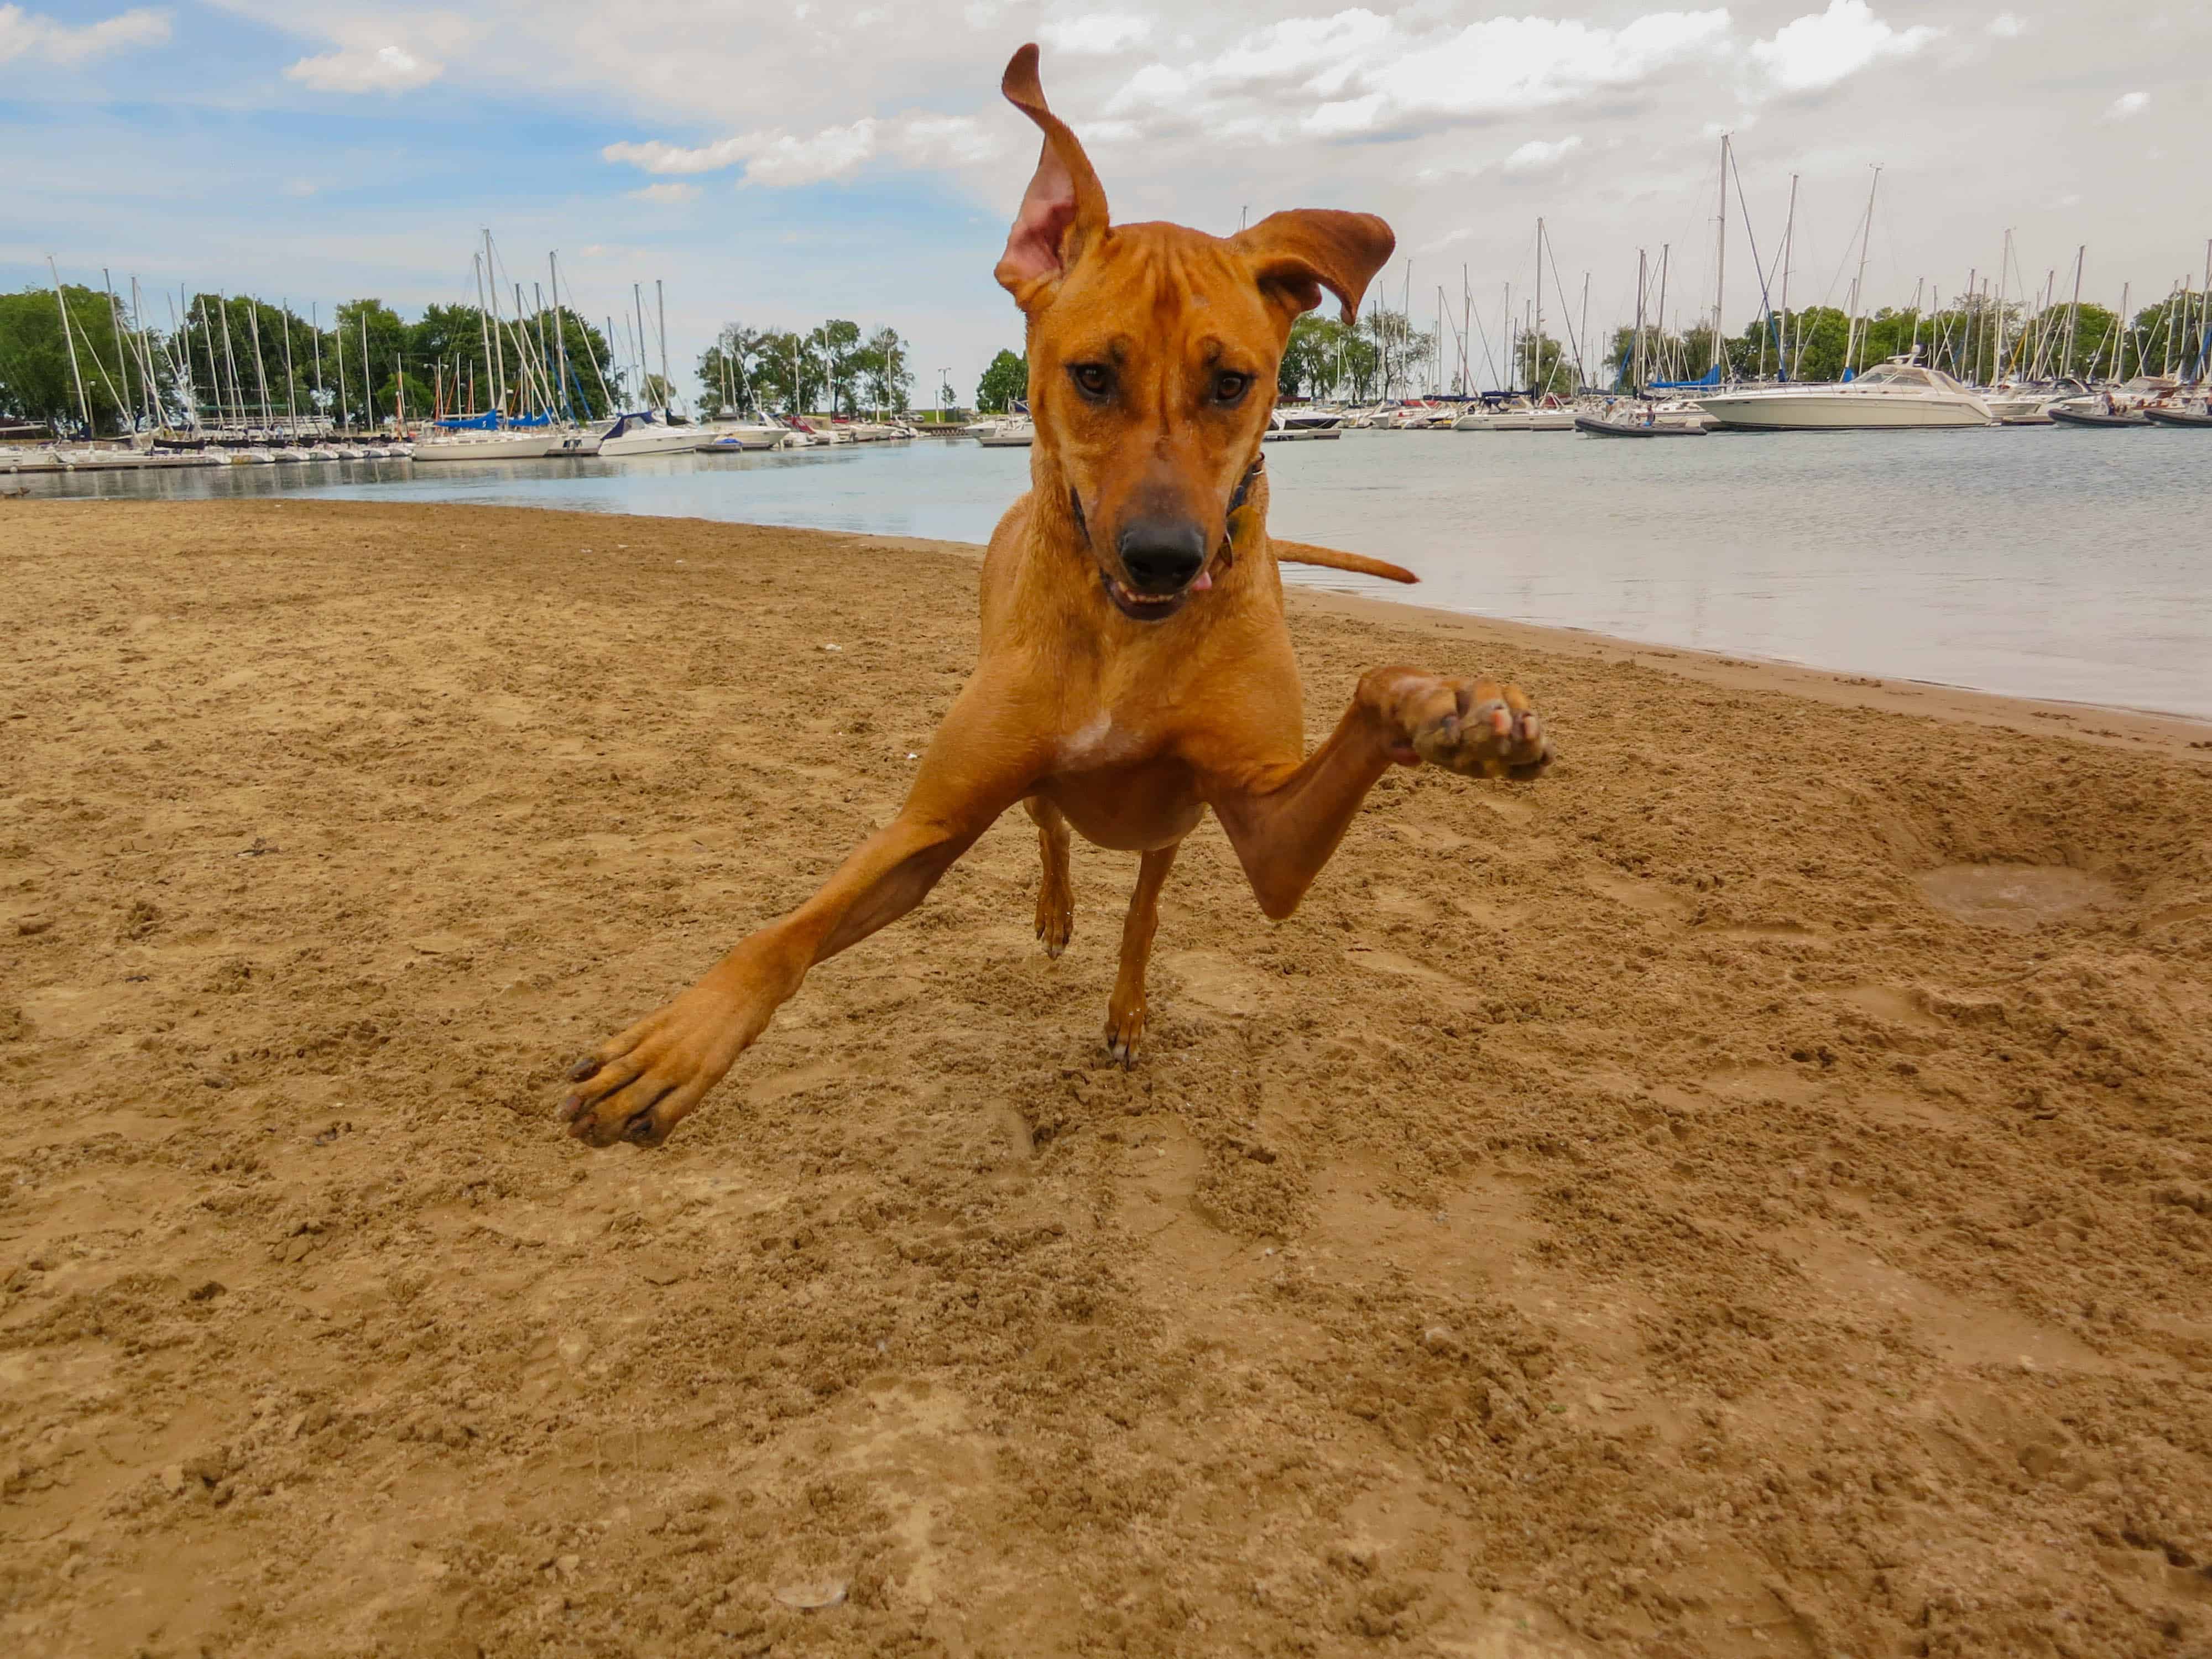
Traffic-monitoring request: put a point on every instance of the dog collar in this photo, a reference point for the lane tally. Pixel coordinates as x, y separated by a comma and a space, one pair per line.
1237, 504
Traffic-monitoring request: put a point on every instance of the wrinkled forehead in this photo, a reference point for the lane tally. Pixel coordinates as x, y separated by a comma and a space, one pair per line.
1162, 285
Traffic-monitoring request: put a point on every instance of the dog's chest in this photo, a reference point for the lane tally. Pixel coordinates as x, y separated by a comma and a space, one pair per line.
1100, 741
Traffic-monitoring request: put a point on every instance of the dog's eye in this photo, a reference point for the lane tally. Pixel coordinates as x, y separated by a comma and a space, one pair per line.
1229, 388
1092, 379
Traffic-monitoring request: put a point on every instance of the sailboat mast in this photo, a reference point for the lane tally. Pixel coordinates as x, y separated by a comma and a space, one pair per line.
1636, 386
1537, 342
368, 379
660, 305
1858, 284
121, 357
230, 361
498, 364
261, 370
1582, 365
2073, 309
1666, 250
1782, 366
291, 402
1720, 258
69, 335
560, 330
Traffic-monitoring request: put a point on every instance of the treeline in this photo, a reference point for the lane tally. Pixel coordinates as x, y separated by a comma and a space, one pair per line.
830, 367
240, 361
1975, 340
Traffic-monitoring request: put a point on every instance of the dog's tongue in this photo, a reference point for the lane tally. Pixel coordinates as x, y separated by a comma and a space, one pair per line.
1204, 582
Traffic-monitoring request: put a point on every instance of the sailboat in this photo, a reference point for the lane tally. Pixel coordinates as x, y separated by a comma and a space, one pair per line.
649, 431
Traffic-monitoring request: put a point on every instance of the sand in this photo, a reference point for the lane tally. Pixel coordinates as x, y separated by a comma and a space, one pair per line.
1749, 1192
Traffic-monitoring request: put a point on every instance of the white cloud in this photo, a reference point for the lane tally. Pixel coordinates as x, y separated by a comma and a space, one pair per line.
775, 157
1821, 49
2006, 26
1539, 157
2127, 105
1102, 34
782, 159
388, 69
28, 34
1356, 73
668, 194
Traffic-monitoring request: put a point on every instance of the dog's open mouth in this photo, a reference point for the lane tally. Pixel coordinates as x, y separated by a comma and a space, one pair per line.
1152, 607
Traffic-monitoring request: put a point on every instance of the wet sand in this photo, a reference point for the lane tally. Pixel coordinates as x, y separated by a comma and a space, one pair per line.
1749, 1192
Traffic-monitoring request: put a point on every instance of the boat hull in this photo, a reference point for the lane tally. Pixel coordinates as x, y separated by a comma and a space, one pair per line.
655, 440
1840, 412
2178, 416
1596, 426
485, 447
2097, 417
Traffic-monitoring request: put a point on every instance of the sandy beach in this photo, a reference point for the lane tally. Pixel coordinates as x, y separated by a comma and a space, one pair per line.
1746, 1193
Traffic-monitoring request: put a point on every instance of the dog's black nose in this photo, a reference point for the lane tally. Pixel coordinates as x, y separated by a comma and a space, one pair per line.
1163, 555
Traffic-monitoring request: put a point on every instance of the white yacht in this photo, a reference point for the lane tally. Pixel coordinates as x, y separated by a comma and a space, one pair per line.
1015, 432
1897, 393
724, 436
1282, 429
646, 434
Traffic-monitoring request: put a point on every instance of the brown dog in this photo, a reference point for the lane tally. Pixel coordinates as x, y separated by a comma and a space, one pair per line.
1135, 666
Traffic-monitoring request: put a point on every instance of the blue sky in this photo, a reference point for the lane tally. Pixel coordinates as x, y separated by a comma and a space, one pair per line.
779, 163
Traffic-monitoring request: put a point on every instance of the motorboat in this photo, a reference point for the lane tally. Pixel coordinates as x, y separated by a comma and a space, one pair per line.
1641, 420
1283, 431
2180, 414
1510, 415
727, 436
1311, 418
2100, 413
2021, 406
1014, 432
646, 434
1897, 393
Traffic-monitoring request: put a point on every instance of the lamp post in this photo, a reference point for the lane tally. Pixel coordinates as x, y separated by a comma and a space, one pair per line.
944, 386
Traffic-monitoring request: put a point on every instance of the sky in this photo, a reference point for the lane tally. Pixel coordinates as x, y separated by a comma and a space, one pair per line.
775, 163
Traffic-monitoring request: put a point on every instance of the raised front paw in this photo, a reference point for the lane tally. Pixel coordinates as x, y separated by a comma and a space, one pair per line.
640, 1085
1474, 726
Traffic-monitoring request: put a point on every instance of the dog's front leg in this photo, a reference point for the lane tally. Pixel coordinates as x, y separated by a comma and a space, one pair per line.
638, 1086
1285, 821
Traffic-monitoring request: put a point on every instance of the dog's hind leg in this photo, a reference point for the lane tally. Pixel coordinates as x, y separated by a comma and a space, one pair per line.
1124, 1013
1055, 906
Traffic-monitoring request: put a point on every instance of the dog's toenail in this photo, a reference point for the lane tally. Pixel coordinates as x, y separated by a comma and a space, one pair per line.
582, 1069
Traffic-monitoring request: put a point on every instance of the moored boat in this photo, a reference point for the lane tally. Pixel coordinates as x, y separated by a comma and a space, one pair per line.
1897, 394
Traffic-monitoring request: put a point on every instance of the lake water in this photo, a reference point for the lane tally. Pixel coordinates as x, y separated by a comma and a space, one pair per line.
2036, 562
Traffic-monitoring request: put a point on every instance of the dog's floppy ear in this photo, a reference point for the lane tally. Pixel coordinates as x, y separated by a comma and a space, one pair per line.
1297, 254
1064, 209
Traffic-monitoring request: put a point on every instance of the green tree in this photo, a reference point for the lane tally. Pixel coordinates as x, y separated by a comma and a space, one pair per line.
1401, 349
880, 365
1323, 357
36, 383
834, 344
1003, 383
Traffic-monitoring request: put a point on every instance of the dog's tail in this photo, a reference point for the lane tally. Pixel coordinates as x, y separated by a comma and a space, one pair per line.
1307, 553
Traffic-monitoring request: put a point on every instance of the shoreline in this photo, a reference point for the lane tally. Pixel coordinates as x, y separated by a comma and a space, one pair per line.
2156, 731
2180, 735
